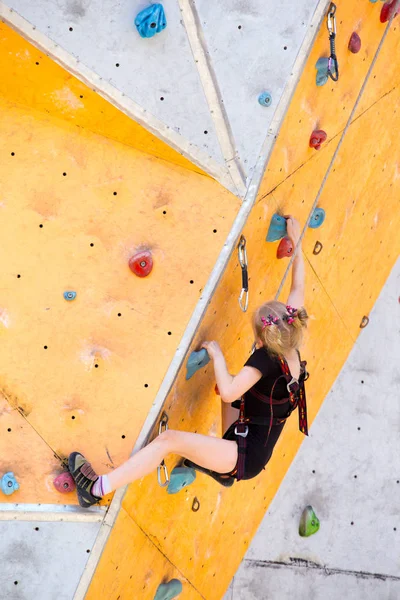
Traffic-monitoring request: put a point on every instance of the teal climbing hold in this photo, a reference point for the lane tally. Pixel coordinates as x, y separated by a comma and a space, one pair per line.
9, 484
180, 478
69, 295
317, 218
167, 591
151, 20
322, 66
309, 522
265, 99
277, 228
196, 361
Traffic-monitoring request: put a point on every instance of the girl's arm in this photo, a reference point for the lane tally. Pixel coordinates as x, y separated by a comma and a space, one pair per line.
231, 387
297, 290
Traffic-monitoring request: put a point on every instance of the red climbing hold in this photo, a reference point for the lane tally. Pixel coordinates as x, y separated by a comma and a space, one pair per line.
141, 264
388, 10
355, 43
317, 138
64, 483
285, 248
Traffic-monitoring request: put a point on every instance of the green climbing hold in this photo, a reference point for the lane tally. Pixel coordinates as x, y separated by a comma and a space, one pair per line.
167, 591
181, 477
309, 522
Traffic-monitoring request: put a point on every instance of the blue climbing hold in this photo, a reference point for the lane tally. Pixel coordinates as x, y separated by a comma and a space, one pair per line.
168, 591
265, 99
277, 228
180, 478
151, 20
317, 218
373, 1
196, 361
322, 71
69, 295
9, 484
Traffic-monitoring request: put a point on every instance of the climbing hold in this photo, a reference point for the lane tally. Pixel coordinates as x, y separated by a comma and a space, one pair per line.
364, 322
69, 295
195, 504
64, 483
309, 522
285, 248
181, 477
322, 65
196, 361
389, 10
167, 591
151, 20
277, 228
317, 138
9, 484
355, 43
141, 264
265, 99
317, 218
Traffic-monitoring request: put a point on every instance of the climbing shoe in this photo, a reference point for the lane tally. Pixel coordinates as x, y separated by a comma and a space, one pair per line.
224, 479
84, 476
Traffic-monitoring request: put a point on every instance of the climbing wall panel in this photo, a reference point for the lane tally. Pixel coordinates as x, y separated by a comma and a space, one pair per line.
80, 206
133, 558
33, 79
328, 107
227, 519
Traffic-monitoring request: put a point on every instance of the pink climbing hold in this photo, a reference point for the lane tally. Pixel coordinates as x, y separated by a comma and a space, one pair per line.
64, 483
355, 43
317, 138
389, 10
285, 248
141, 264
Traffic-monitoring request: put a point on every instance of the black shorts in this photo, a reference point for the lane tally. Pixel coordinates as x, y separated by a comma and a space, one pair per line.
257, 452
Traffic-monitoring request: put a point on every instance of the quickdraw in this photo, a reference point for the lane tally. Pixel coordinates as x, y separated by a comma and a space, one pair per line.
332, 61
244, 294
162, 467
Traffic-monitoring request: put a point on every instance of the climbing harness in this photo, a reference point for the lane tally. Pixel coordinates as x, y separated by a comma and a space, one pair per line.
162, 467
332, 61
244, 294
297, 399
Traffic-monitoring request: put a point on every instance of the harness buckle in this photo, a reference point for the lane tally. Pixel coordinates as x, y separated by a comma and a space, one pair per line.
292, 382
242, 434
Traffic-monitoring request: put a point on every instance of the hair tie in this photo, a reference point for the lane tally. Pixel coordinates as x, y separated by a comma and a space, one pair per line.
292, 312
270, 320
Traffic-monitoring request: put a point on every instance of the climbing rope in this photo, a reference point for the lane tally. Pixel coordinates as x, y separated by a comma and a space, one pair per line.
333, 61
330, 166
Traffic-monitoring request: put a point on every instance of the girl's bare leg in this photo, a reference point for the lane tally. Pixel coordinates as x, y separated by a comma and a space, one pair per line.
229, 416
209, 452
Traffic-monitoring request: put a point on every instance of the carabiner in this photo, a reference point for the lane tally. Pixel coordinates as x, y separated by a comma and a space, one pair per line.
162, 467
331, 22
244, 294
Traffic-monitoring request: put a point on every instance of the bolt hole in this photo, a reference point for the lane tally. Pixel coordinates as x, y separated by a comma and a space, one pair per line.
362, 380
359, 428
191, 281
64, 174
96, 366
88, 551
115, 193
313, 471
9, 429
71, 28
15, 582
45, 347
92, 245
285, 47
73, 417
164, 212
36, 528
355, 476
117, 64
12, 153
123, 437
81, 96
352, 523
239, 27
37, 63
119, 314
18, 276
162, 98
146, 385
153, 25
205, 132
214, 231
169, 332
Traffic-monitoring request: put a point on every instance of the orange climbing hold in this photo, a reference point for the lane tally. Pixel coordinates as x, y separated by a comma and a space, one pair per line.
317, 138
141, 264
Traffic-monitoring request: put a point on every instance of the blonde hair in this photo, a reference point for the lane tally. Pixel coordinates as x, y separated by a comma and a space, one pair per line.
286, 329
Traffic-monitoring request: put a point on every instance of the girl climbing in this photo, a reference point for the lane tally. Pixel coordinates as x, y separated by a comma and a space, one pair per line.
270, 385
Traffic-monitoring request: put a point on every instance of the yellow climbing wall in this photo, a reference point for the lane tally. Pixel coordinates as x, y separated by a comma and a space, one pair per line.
360, 245
74, 207
31, 78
